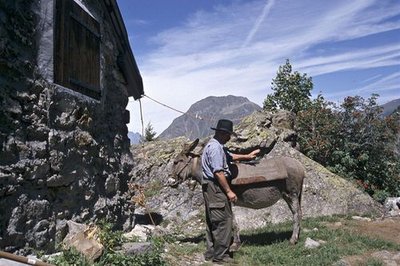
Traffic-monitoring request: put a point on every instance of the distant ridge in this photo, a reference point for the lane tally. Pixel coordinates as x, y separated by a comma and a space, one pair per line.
388, 108
134, 137
209, 110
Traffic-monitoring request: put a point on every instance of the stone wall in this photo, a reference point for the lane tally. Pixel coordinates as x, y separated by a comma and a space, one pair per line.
63, 156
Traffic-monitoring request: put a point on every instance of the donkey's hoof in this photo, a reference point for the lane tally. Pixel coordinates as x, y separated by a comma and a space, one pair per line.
293, 241
235, 246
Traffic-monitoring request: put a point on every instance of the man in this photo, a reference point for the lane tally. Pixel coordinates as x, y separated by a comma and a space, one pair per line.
217, 192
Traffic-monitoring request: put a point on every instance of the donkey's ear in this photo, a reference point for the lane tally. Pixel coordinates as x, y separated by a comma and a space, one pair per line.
191, 147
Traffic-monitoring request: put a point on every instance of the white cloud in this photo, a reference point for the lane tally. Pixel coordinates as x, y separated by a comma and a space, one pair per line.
389, 82
237, 49
264, 13
357, 59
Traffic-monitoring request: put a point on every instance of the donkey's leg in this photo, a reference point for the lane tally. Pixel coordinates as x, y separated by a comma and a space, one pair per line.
236, 236
293, 201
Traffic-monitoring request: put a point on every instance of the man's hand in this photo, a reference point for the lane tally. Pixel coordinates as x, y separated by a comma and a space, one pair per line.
253, 154
231, 196
249, 156
225, 186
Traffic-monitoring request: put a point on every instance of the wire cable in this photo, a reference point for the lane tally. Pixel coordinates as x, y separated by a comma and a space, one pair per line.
176, 110
195, 116
141, 116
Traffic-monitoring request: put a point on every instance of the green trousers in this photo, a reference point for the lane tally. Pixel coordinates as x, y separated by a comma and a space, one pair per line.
219, 219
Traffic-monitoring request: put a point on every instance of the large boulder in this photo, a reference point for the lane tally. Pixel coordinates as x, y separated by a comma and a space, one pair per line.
84, 239
324, 194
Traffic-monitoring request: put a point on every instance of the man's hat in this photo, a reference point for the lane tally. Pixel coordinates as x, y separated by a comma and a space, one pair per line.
224, 125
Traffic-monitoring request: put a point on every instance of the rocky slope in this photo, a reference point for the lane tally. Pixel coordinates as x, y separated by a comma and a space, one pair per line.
202, 115
181, 208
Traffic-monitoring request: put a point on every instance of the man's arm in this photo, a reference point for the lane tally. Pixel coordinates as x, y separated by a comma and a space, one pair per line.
225, 185
241, 157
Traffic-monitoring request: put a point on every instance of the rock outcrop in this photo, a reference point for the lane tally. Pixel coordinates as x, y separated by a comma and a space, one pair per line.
181, 208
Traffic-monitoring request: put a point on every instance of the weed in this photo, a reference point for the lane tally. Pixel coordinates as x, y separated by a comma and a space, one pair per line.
111, 240
153, 188
373, 262
70, 257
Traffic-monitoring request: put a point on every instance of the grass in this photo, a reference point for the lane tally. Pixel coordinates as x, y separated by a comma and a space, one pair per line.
270, 245
265, 246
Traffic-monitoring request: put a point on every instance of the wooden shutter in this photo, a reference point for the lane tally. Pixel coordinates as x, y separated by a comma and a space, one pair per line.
77, 49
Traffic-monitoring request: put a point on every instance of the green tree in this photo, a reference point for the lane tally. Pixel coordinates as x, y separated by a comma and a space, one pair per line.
318, 129
367, 150
292, 90
149, 132
354, 141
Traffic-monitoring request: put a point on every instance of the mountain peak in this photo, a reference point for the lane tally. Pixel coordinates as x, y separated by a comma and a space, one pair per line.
204, 114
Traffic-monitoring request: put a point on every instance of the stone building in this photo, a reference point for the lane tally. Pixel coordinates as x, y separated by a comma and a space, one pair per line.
66, 72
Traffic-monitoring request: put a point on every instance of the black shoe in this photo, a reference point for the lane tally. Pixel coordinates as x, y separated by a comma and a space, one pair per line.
225, 259
208, 256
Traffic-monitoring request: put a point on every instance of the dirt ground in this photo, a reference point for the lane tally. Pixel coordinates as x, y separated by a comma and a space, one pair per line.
386, 229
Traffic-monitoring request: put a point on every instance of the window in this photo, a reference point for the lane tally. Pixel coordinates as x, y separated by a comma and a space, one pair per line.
77, 49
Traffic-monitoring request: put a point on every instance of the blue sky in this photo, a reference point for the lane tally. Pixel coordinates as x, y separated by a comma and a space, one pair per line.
187, 50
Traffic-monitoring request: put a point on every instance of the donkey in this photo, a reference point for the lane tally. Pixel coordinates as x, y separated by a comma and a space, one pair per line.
254, 195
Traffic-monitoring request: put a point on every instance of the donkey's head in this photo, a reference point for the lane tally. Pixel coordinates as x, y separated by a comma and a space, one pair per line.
186, 165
